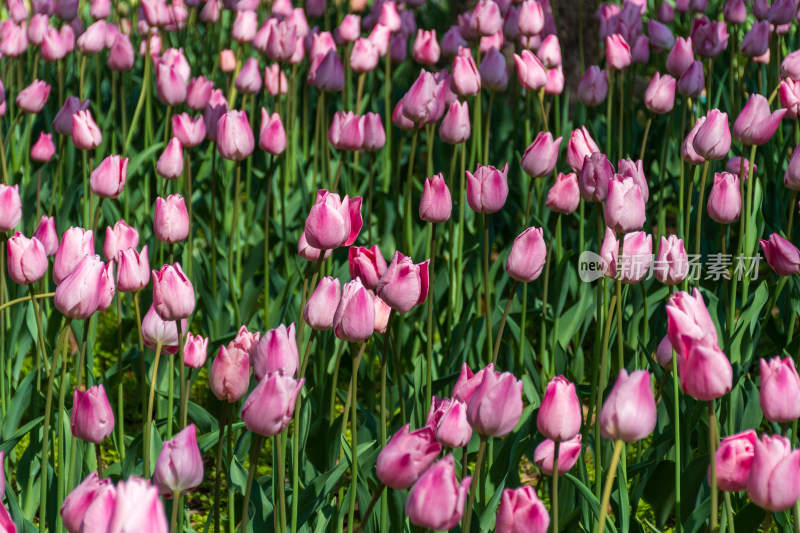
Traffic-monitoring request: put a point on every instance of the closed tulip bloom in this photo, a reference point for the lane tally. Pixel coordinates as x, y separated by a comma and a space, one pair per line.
321, 306
713, 138
423, 104
367, 264
692, 81
121, 55
374, 134
756, 41
624, 205
549, 52
198, 92
426, 47
559, 416
456, 127
83, 291
281, 41
46, 234
389, 16
75, 244
725, 201
354, 319
635, 169
755, 125
629, 411
346, 131
171, 220
541, 156
467, 382
399, 119
709, 38
277, 352
133, 270
170, 86
637, 250
85, 133
119, 238
531, 18
215, 108
618, 52
568, 454
333, 222
13, 40
782, 12
349, 29
156, 12
774, 481
137, 507
705, 371
782, 256
520, 509
790, 66
308, 252
734, 461
680, 57
89, 505
327, 73
272, 136
687, 148
100, 9
170, 163
227, 61
406, 456
452, 41
779, 394
528, 256
436, 203
173, 294
735, 12
789, 96
494, 71
672, 264
436, 501
195, 351
247, 341
179, 467
275, 81
268, 410
27, 260
43, 150
660, 94
108, 179
364, 56
234, 136
734, 166
10, 207
403, 285
661, 37
380, 37
448, 418
382, 313
593, 86
593, 179
249, 79
32, 98
530, 71
496, 406
229, 377
62, 123
245, 26
466, 80
487, 189
189, 131
688, 319
564, 196
664, 353
640, 52
93, 40
92, 419
580, 145
486, 17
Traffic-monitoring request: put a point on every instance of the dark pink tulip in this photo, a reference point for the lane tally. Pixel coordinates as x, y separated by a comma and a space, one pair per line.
333, 222
195, 351
10, 207
198, 92
229, 377
779, 394
725, 201
321, 306
756, 41
672, 264
452, 41
367, 264
789, 95
528, 256
713, 138
456, 127
640, 52
364, 56
75, 244
171, 220
133, 270
593, 87
541, 156
637, 250
374, 134
531, 18
530, 71
108, 179
687, 148
593, 179
782, 256
487, 189
661, 37
692, 81
521, 510
734, 461
27, 260
629, 410
249, 79
119, 238
13, 40
774, 480
624, 207
618, 52
46, 234
189, 131
466, 80
564, 196
173, 294
44, 149
89, 505
436, 501
346, 131
580, 145
32, 98
406, 456
559, 417
354, 320
93, 40
735, 12
308, 252
494, 71
121, 55
448, 419
705, 371
327, 73
709, 38
782, 12
680, 57
568, 454
277, 353
436, 203
272, 136
179, 467
496, 405
403, 285
426, 48
86, 288
268, 410
281, 41
85, 133
215, 108
137, 507
660, 94
424, 102
234, 136
755, 125
92, 419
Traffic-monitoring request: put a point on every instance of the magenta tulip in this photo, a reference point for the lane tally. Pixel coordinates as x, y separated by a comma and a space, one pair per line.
755, 125
333, 222
734, 461
173, 294
436, 203
406, 456
521, 510
774, 480
403, 285
568, 453
195, 351
268, 409
782, 256
496, 405
541, 156
92, 419
229, 376
179, 467
436, 501
559, 417
277, 353
354, 320
528, 255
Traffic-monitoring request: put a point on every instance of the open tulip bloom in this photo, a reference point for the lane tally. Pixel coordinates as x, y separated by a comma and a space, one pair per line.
304, 265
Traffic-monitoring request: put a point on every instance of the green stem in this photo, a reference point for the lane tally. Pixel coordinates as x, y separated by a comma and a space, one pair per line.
387, 112
503, 321
251, 474
354, 439
184, 392
554, 507
474, 485
609, 109
142, 95
700, 209
749, 212
712, 444
601, 380
218, 469
612, 470
409, 187
429, 344
620, 340
296, 434
543, 360
176, 495
232, 246
279, 445
170, 394
142, 383
678, 443
149, 419
487, 284
644, 139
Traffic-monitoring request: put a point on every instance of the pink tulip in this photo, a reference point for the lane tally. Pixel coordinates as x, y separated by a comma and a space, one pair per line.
530, 71
137, 507
436, 501
559, 417
13, 40
275, 81
333, 222
349, 29
467, 382
382, 313
688, 152
272, 136
779, 394
85, 133
756, 41
705, 371
308, 252
89, 505
100, 9
426, 47
354, 320
46, 234
171, 220
43, 150
75, 244
494, 71
93, 40
624, 206
367, 264
92, 419
448, 418
660, 94
62, 123
564, 196
436, 203
403, 285
173, 294
593, 179
229, 377
234, 136
277, 353
268, 409
734, 461
487, 189
593, 86
32, 98
195, 351
227, 61
27, 260
424, 102
713, 139
629, 410
541, 156
10, 207
455, 127
466, 80
86, 289
637, 249
346, 131
170, 86
321, 306
790, 66
672, 264
618, 53
688, 320
521, 510
531, 18
198, 92
496, 405
782, 256
692, 81
406, 456
755, 125
108, 179
374, 134
709, 38
189, 131
724, 201
327, 73
364, 56
528, 256
568, 454
133, 270
680, 57
121, 55
179, 467
774, 480
789, 96
249, 79
580, 145
119, 238
735, 12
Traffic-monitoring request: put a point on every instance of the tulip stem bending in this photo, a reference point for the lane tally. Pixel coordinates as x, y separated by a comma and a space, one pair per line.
149, 419
612, 470
475, 482
712, 444
25, 299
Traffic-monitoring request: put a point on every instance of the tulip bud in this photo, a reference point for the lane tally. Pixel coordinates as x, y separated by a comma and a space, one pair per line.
436, 501
119, 238
436, 204
494, 71
108, 179
466, 80
333, 222
520, 509
62, 123
725, 201
268, 410
774, 480
452, 41
85, 133
382, 313
157, 331
229, 377
346, 131
10, 207
403, 285
121, 55
672, 264
44, 149
629, 411
568, 454
349, 29
277, 353
179, 467
528, 256
782, 12
275, 81
195, 351
660, 94
374, 134
455, 127
424, 102
637, 249
86, 289
171, 220
27, 260
593, 87
618, 53
367, 264
272, 136
448, 418
46, 234
487, 189
756, 41
249, 79
705, 371
624, 206
597, 171
137, 507
89, 505
92, 419
406, 456
541, 156
782, 256
496, 405
234, 136
687, 149
354, 320
32, 98
321, 306
692, 82
426, 47
531, 18
559, 417
680, 57
170, 86
734, 461
640, 53
93, 40
580, 145
564, 196
75, 244
755, 125
173, 294
227, 61
779, 394
133, 270
530, 71
198, 92
661, 38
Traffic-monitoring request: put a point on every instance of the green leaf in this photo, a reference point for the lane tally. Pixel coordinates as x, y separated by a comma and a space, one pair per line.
589, 497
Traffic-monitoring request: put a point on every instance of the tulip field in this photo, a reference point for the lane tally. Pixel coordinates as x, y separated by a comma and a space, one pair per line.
522, 266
